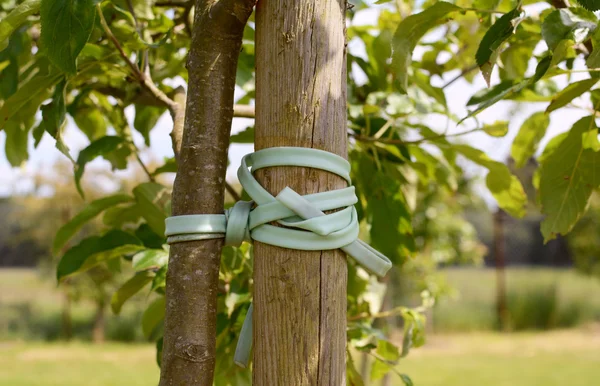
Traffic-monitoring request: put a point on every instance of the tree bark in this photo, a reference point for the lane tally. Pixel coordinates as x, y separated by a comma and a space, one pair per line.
300, 296
99, 329
192, 278
501, 305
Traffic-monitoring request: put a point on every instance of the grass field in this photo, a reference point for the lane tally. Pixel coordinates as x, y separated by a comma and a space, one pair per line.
555, 358
481, 359
30, 309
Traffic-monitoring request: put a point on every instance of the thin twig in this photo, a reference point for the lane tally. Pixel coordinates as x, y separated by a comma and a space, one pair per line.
139, 75
484, 11
462, 73
137, 156
235, 195
173, 3
243, 111
391, 141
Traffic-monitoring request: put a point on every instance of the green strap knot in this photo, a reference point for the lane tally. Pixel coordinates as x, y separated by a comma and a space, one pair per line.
307, 227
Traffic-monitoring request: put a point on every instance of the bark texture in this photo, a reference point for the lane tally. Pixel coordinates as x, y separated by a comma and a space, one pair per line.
300, 296
192, 279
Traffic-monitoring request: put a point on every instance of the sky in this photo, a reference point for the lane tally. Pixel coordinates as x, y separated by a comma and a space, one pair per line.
19, 181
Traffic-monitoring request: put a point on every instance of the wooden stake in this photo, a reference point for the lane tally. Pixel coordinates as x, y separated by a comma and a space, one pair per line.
300, 296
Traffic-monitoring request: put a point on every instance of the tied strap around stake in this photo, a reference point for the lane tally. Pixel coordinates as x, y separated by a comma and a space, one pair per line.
307, 227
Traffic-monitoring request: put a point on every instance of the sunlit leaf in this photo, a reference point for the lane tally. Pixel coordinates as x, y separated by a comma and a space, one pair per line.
505, 187
67, 231
525, 144
410, 31
15, 19
130, 288
100, 147
498, 33
570, 92
569, 174
573, 23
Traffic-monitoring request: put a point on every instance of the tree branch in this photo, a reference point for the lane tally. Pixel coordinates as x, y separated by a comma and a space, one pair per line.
243, 111
174, 3
142, 78
235, 195
391, 141
192, 279
178, 115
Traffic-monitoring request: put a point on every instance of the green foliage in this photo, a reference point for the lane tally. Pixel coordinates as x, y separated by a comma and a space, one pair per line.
490, 45
570, 92
526, 142
410, 31
66, 27
95, 250
130, 288
567, 179
575, 24
15, 19
96, 207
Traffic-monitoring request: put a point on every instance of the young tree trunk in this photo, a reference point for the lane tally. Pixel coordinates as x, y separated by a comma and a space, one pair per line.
67, 318
300, 296
192, 278
501, 306
98, 331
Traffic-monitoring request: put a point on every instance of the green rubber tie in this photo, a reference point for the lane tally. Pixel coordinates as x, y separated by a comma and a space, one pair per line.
307, 226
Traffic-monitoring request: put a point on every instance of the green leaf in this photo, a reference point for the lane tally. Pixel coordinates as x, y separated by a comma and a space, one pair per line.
496, 129
170, 166
353, 377
94, 250
96, 207
486, 94
498, 33
406, 380
117, 216
153, 317
146, 118
410, 31
34, 89
505, 187
569, 93
130, 288
66, 27
572, 23
15, 19
246, 136
53, 117
526, 142
508, 89
391, 228
100, 147
150, 259
159, 350
424, 83
569, 174
590, 5
90, 121
17, 136
149, 238
154, 202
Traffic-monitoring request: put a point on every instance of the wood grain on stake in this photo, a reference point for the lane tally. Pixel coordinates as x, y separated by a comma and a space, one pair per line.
300, 296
